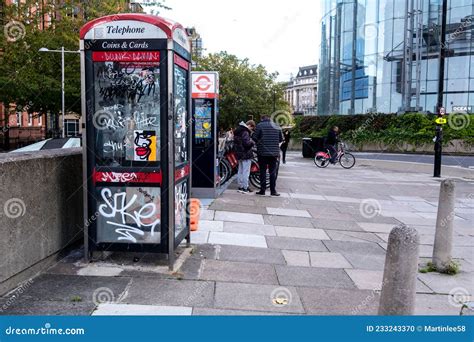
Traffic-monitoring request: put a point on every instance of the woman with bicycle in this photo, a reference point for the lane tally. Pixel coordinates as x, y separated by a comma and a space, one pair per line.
243, 145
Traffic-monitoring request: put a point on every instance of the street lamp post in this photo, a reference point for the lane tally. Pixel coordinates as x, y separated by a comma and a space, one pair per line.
63, 101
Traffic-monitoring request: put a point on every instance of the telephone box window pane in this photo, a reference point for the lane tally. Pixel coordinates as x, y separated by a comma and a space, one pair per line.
128, 215
127, 112
180, 206
180, 113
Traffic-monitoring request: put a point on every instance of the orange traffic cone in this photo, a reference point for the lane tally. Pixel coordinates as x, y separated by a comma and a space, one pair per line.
194, 212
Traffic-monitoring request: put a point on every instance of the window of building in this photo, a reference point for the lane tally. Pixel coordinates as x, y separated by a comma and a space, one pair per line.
72, 127
18, 119
30, 119
40, 120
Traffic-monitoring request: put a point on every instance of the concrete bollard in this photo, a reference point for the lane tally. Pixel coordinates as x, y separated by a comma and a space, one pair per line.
399, 276
443, 244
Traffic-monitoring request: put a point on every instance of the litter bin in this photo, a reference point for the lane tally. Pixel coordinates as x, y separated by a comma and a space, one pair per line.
307, 148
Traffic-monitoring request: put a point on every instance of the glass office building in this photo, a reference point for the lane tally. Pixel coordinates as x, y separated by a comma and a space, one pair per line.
382, 56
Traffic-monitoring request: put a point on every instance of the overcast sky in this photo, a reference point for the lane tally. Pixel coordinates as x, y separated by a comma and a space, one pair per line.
280, 34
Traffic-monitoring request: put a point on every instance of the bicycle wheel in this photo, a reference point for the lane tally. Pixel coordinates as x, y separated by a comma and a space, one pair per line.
347, 160
224, 171
321, 161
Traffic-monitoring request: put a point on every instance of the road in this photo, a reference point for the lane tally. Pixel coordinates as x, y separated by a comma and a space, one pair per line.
459, 161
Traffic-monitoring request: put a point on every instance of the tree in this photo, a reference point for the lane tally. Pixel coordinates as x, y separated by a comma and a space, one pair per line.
247, 91
31, 80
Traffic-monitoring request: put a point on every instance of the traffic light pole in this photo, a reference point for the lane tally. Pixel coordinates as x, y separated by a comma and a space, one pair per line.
438, 148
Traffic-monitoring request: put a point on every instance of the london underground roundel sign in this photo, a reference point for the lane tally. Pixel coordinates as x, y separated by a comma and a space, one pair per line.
204, 85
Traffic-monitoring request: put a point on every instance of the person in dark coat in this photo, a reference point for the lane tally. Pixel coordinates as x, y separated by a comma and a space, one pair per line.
268, 137
331, 143
284, 145
243, 145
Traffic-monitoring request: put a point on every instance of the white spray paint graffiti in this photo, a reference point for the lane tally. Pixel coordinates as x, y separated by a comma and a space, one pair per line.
117, 205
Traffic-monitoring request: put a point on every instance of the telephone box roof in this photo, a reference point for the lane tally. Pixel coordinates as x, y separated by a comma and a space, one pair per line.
168, 26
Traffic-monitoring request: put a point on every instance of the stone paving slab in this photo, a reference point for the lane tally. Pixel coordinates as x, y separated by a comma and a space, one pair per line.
296, 258
366, 261
313, 277
372, 280
112, 309
238, 217
256, 297
353, 236
445, 284
148, 291
295, 244
249, 228
29, 307
250, 254
239, 208
235, 239
56, 287
241, 272
210, 226
363, 248
335, 301
301, 233
329, 224
328, 260
288, 212
302, 222
434, 304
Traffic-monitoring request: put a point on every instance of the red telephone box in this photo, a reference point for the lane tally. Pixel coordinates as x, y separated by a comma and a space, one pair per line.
136, 108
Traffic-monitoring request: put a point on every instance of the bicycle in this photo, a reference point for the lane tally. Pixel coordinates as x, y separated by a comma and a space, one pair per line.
346, 159
228, 163
255, 172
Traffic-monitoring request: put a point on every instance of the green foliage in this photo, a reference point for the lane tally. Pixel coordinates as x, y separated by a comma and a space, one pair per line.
32, 79
246, 91
390, 129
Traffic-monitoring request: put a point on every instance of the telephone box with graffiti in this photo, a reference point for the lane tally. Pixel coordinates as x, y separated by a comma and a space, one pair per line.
205, 97
135, 101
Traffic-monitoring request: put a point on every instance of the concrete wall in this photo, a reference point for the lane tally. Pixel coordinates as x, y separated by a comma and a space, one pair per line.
41, 211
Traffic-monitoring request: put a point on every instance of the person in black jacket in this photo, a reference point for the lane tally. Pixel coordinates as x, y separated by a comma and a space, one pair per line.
284, 145
268, 137
243, 144
331, 143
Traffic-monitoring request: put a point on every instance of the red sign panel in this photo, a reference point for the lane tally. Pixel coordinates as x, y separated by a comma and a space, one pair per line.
136, 177
125, 56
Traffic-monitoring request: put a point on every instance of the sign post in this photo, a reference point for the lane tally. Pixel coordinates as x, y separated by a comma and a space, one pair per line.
135, 102
205, 94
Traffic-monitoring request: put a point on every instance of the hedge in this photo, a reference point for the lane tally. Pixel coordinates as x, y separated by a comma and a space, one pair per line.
411, 128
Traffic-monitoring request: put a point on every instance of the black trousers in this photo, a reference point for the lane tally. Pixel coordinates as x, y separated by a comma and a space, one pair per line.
283, 149
271, 163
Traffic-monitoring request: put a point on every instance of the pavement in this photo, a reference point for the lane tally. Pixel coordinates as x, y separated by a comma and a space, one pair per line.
319, 249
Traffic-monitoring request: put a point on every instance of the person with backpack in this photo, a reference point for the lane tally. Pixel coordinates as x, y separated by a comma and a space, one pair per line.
243, 145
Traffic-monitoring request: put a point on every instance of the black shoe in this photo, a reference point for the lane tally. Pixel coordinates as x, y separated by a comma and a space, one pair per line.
260, 193
248, 190
275, 194
240, 190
